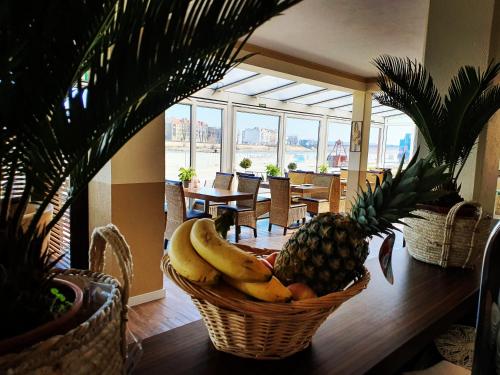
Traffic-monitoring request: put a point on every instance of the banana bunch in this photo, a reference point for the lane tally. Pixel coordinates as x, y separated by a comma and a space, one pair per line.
202, 256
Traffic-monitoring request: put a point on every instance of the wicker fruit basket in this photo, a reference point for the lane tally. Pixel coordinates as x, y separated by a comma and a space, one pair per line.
261, 330
448, 239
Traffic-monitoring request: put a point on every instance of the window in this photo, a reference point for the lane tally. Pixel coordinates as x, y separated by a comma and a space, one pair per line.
399, 138
373, 147
301, 143
208, 143
177, 139
339, 138
256, 139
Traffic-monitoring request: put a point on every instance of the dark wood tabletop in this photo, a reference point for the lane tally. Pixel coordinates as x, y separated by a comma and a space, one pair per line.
216, 195
376, 332
302, 189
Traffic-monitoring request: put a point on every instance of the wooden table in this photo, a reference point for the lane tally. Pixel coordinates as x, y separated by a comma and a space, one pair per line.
301, 189
215, 195
377, 331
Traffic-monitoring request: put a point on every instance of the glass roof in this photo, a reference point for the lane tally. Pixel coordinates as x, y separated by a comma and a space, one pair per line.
292, 92
319, 97
381, 108
259, 84
234, 75
337, 102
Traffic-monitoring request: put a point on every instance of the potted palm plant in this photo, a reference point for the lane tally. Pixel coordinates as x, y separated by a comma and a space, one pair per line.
454, 233
76, 83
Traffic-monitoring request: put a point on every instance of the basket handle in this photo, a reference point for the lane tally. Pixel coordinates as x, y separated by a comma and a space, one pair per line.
110, 236
448, 231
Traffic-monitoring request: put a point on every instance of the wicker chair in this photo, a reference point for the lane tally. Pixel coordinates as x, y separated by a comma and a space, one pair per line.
176, 208
283, 212
245, 211
325, 201
222, 181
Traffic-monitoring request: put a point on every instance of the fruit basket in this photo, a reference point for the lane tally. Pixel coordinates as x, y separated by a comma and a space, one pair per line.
261, 330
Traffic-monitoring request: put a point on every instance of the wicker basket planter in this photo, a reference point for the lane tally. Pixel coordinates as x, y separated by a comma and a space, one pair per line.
261, 330
448, 239
97, 345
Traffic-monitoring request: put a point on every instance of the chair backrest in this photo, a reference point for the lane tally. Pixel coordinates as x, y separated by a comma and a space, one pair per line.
308, 175
248, 184
487, 345
297, 177
344, 173
323, 179
176, 206
223, 180
245, 174
174, 196
280, 193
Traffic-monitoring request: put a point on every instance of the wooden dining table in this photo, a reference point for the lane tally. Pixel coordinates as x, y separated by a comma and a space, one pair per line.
301, 189
377, 331
209, 194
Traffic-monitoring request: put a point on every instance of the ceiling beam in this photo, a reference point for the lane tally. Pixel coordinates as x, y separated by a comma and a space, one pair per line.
331, 100
341, 106
305, 95
239, 82
387, 110
277, 89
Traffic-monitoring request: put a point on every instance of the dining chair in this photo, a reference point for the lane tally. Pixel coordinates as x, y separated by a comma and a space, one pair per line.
244, 211
175, 208
469, 350
222, 181
283, 211
328, 201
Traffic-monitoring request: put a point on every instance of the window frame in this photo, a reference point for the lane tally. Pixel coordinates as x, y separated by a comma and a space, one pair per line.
285, 128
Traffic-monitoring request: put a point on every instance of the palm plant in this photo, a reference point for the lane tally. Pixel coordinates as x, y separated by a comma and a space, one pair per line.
78, 79
449, 126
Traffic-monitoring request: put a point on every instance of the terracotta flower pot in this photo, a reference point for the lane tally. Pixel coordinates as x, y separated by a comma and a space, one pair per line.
55, 327
186, 183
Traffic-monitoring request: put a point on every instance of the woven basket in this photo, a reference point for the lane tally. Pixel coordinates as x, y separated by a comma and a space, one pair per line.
98, 345
447, 239
261, 330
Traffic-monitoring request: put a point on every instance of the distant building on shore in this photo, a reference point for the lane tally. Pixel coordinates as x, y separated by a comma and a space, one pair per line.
259, 136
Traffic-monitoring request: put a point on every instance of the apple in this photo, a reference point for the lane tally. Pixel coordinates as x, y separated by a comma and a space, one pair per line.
272, 258
266, 263
301, 291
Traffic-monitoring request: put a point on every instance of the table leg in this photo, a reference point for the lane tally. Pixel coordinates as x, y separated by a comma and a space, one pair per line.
207, 207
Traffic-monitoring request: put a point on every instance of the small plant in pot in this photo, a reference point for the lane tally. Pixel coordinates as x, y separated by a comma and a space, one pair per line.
323, 168
292, 166
69, 105
450, 127
245, 163
186, 175
272, 170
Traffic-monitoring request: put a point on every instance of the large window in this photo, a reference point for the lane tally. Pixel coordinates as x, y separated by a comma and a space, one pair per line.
177, 139
373, 147
339, 139
256, 139
399, 138
208, 142
301, 143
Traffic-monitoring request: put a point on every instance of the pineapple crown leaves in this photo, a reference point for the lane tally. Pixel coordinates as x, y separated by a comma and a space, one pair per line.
377, 210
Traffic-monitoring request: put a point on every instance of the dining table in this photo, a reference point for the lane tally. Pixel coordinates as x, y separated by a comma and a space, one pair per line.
303, 189
378, 331
209, 194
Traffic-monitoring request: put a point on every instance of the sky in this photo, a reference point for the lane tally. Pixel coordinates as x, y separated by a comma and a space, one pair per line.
304, 129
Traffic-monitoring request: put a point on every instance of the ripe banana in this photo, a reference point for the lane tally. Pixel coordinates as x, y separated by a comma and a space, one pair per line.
270, 291
186, 260
225, 257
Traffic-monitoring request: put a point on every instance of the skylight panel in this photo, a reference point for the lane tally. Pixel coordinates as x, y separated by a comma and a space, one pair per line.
259, 84
291, 92
232, 76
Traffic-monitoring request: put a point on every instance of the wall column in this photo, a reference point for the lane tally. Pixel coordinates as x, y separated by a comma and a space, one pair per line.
361, 111
129, 192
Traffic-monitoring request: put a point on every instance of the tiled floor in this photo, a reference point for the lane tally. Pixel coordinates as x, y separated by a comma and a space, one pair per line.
176, 308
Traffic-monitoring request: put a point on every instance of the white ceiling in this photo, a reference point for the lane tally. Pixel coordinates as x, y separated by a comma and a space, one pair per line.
347, 34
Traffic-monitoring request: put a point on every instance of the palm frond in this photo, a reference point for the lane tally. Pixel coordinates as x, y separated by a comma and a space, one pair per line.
406, 86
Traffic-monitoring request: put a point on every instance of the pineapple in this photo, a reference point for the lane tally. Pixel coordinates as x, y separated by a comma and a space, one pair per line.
329, 251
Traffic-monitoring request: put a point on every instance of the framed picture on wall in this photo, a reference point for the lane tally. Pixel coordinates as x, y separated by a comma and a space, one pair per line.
356, 127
